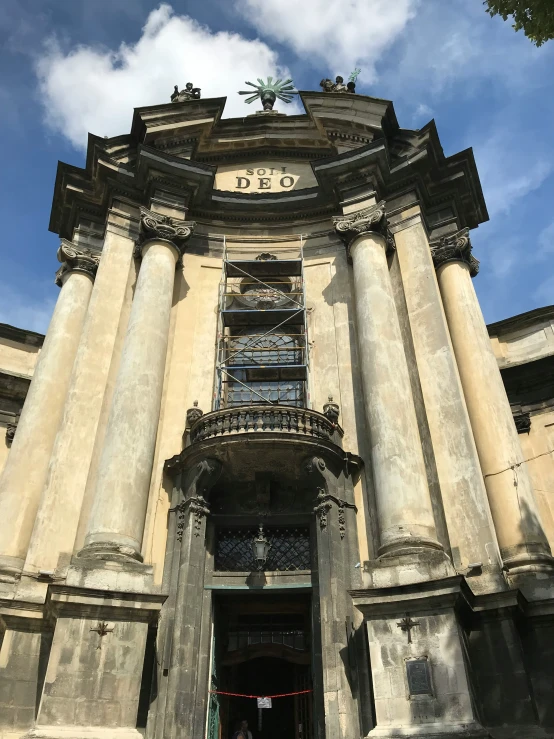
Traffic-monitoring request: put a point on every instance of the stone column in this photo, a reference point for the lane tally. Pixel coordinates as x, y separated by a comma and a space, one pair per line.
117, 517
463, 492
23, 477
404, 509
523, 544
58, 515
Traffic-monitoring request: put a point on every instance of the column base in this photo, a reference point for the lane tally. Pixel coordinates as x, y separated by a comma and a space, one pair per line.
436, 731
528, 563
82, 732
109, 551
408, 546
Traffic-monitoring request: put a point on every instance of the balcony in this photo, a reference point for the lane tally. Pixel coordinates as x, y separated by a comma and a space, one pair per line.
265, 419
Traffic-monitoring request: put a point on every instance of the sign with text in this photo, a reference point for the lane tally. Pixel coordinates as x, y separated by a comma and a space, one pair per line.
419, 677
264, 702
266, 176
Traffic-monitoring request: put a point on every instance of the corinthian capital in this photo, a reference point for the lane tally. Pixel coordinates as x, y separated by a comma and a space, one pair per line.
156, 226
74, 259
368, 220
455, 248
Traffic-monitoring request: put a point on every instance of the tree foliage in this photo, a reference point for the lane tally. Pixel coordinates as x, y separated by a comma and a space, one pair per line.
534, 17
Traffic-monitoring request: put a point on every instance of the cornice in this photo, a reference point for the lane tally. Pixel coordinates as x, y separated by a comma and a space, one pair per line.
522, 320
455, 248
21, 335
421, 166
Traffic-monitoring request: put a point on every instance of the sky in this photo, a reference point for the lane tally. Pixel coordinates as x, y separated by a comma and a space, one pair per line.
68, 67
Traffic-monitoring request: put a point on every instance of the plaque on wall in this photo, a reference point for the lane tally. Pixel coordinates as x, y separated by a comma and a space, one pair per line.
419, 677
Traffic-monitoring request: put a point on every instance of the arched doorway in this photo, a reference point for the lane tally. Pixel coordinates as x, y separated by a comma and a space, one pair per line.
264, 648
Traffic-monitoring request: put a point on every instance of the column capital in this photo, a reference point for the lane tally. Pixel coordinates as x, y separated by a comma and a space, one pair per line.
74, 259
368, 220
157, 226
454, 248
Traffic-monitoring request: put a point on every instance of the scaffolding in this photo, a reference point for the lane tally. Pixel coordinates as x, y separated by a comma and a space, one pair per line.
262, 344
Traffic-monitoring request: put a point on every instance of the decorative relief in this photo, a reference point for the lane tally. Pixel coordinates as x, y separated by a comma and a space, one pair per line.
455, 248
75, 260
325, 500
10, 433
522, 419
193, 414
157, 226
198, 507
368, 220
331, 410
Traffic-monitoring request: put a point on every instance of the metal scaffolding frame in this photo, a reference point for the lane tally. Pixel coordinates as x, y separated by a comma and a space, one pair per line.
260, 295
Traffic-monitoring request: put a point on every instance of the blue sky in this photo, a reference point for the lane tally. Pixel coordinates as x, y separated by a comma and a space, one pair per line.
72, 66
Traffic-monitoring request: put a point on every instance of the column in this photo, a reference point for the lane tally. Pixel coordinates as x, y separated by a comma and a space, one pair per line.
118, 512
463, 492
404, 509
523, 544
53, 536
23, 477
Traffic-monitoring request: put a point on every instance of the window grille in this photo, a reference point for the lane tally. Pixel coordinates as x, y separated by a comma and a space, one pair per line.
289, 549
287, 630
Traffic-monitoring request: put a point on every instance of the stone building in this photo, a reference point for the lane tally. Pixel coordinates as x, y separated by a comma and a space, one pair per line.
269, 445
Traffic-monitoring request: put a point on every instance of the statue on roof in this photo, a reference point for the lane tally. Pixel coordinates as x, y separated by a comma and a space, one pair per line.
268, 92
338, 85
189, 93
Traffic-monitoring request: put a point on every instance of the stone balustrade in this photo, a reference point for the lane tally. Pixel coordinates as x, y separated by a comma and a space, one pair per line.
265, 418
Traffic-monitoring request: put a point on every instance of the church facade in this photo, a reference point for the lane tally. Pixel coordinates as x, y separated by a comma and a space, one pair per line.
270, 449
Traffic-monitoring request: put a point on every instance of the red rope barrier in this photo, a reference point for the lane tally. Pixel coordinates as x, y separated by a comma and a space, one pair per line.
243, 695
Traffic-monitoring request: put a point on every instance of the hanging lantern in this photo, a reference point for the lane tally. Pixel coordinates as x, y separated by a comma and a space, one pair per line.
260, 548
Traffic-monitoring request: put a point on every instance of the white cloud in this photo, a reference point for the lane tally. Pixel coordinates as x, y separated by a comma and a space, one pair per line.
30, 310
341, 34
507, 171
94, 89
422, 112
546, 242
544, 294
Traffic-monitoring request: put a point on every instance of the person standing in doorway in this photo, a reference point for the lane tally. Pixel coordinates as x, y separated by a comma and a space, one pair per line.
243, 732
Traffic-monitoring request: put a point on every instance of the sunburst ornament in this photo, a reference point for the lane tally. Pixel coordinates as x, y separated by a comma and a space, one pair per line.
268, 92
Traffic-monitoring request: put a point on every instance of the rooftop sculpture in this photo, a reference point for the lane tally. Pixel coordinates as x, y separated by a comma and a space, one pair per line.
338, 85
268, 92
189, 93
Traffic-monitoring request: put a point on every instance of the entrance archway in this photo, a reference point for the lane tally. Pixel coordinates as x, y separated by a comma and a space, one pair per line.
262, 647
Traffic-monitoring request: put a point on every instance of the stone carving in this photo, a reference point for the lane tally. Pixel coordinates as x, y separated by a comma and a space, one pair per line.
156, 226
268, 92
198, 482
317, 469
74, 259
10, 432
522, 419
189, 93
199, 508
368, 220
331, 410
193, 414
322, 507
455, 248
338, 85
